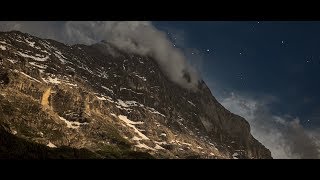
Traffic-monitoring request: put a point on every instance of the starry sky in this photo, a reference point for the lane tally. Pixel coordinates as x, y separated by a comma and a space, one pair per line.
279, 60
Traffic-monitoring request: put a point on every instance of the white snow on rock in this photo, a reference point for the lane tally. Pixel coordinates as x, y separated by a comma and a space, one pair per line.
42, 59
126, 120
121, 103
141, 62
126, 109
132, 103
234, 155
112, 114
72, 125
30, 77
129, 90
51, 145
191, 103
59, 55
163, 134
38, 65
3, 48
101, 98
52, 80
12, 61
109, 99
141, 77
70, 68
107, 89
14, 132
70, 84
131, 124
3, 42
153, 111
30, 43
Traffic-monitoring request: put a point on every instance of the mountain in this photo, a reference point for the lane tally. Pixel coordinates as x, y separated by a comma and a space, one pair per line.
99, 101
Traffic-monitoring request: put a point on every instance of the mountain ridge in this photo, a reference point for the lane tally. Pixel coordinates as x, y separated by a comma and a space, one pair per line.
90, 96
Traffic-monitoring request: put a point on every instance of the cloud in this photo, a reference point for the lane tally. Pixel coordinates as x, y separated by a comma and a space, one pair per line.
133, 36
282, 135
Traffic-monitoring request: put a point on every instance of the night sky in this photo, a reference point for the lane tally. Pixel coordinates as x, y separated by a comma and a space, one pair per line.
260, 58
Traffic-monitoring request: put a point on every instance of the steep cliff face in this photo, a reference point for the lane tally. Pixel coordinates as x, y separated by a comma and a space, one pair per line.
100, 98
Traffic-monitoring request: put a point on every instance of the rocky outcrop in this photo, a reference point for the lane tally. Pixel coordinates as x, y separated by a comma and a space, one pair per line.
98, 97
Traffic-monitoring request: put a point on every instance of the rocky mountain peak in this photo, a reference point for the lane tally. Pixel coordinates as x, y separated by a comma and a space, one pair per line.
111, 102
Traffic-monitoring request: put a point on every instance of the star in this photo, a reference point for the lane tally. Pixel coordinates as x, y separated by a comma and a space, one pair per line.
282, 42
208, 50
240, 53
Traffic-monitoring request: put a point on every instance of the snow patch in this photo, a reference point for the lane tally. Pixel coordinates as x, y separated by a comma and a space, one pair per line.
112, 114
129, 90
141, 77
131, 124
109, 99
51, 145
163, 134
30, 77
30, 43
133, 103
121, 103
59, 55
126, 120
3, 48
234, 155
153, 111
38, 65
42, 59
186, 144
70, 84
51, 80
107, 89
191, 103
3, 42
101, 98
72, 125
12, 61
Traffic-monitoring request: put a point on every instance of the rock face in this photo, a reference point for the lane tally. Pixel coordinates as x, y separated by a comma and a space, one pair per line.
100, 98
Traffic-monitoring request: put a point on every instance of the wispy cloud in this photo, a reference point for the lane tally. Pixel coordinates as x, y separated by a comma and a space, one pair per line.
283, 135
133, 36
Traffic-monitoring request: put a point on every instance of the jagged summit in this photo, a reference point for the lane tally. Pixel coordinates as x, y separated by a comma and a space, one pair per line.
110, 101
